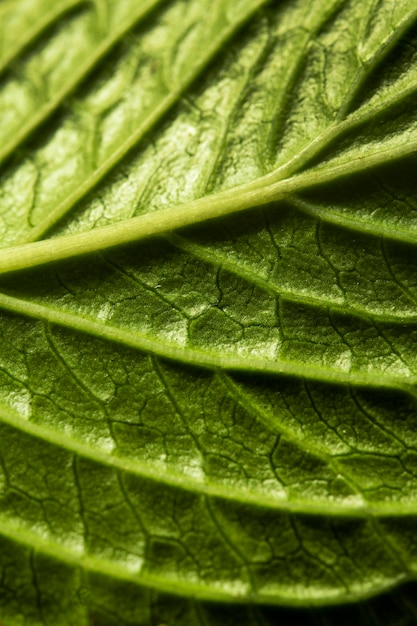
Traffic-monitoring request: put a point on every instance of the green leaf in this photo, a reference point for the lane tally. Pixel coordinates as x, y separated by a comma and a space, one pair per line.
208, 312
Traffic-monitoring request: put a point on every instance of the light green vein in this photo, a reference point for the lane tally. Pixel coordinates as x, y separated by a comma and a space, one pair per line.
194, 212
341, 127
145, 471
133, 229
373, 63
274, 289
333, 216
332, 462
297, 62
142, 9
201, 358
276, 425
281, 174
155, 116
104, 567
58, 11
56, 551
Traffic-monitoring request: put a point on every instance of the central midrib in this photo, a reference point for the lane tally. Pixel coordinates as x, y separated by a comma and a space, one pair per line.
209, 207
286, 171
275, 185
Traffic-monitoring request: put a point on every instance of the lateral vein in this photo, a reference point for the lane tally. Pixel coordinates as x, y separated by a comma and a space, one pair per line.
201, 358
157, 113
101, 50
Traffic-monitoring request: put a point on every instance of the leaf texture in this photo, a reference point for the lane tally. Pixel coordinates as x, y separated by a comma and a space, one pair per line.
208, 312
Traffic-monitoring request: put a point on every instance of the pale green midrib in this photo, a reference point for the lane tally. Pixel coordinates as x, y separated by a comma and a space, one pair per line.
143, 8
276, 290
200, 358
304, 156
30, 36
209, 207
293, 165
155, 116
313, 149
63, 208
104, 567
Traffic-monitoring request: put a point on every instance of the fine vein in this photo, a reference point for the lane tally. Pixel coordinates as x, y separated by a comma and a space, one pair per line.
99, 53
154, 116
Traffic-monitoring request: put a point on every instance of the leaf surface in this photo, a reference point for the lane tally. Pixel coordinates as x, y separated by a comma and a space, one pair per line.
208, 312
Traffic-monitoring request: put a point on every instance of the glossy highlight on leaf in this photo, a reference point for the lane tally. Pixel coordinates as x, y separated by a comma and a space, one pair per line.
208, 313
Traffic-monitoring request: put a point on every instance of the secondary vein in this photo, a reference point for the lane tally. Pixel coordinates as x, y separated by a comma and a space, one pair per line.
200, 358
49, 18
56, 551
102, 49
154, 116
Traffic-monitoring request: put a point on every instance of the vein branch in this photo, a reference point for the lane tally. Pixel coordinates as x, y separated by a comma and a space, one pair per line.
102, 49
58, 11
